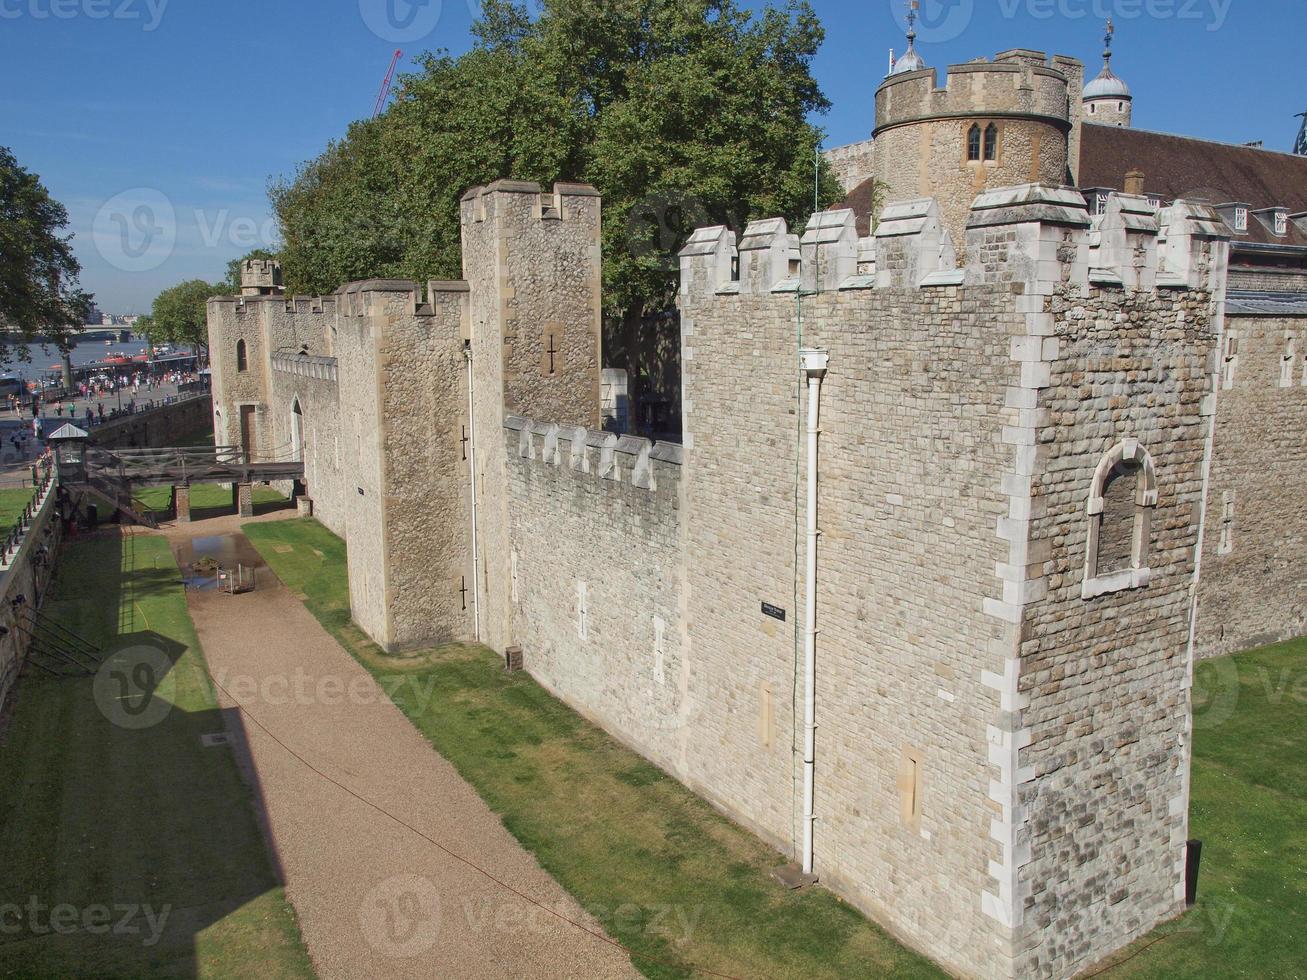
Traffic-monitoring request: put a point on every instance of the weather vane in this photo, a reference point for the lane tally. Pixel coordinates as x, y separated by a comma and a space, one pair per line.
1107, 40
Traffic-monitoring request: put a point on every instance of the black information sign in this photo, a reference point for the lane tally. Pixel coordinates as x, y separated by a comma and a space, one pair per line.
775, 612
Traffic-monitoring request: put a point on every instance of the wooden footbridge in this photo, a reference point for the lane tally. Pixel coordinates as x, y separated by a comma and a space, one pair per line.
113, 476
184, 466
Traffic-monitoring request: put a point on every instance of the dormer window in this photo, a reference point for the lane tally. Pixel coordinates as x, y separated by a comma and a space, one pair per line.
1100, 205
1281, 223
1240, 219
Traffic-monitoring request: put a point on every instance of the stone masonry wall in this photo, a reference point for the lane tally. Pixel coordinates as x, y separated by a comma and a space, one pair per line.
1254, 585
23, 575
327, 481
162, 426
532, 262
912, 408
1104, 680
423, 405
596, 578
362, 313
852, 164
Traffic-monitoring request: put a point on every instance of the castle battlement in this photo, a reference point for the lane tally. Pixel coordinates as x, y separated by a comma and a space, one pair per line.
1015, 83
630, 459
1037, 234
261, 277
567, 201
306, 366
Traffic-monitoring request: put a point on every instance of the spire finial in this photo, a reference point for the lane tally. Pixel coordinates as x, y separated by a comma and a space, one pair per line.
1107, 41
913, 7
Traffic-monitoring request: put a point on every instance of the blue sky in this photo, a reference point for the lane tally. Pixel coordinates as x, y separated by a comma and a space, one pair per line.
162, 120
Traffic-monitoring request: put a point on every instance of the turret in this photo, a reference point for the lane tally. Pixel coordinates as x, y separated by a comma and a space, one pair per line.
261, 277
1107, 100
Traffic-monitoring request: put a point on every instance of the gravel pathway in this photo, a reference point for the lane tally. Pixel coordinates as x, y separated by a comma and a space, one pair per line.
374, 898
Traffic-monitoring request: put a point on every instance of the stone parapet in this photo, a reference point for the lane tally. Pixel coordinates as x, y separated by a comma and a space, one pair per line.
633, 460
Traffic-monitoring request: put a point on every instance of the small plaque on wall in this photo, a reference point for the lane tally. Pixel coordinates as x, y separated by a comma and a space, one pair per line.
775, 612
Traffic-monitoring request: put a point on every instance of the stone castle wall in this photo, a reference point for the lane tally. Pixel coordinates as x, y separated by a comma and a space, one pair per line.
1254, 585
165, 425
1003, 719
852, 164
532, 262
26, 572
597, 577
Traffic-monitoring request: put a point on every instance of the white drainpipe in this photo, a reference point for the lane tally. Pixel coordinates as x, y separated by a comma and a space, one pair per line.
472, 469
814, 367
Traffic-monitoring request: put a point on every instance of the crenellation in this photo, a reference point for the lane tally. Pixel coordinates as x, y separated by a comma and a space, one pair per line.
829, 250
620, 459
708, 260
768, 254
912, 245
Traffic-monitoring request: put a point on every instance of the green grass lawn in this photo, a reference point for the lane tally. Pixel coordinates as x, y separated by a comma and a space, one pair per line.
1249, 808
208, 500
614, 830
12, 502
664, 873
103, 820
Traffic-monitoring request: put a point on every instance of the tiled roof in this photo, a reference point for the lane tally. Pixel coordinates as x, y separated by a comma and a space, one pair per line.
1218, 173
1266, 304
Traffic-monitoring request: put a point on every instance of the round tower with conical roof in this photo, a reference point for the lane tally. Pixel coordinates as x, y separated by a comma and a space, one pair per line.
1107, 100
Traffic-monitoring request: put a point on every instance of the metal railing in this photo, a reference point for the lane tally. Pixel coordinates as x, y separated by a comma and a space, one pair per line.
42, 476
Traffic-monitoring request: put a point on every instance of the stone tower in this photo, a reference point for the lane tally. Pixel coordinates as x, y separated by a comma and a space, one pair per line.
1107, 100
993, 124
261, 277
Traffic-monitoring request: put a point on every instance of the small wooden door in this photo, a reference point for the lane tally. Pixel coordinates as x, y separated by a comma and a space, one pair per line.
247, 430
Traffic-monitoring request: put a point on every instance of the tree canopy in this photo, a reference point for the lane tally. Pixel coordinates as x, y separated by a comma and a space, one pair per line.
180, 314
39, 293
681, 113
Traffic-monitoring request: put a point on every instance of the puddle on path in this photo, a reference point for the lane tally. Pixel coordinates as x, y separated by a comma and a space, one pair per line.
229, 551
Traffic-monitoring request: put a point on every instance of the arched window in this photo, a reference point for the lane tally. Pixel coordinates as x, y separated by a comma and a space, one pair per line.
973, 143
1121, 499
991, 142
241, 363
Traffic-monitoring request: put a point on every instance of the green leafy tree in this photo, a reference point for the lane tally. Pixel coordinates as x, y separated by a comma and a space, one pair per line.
681, 112
180, 314
39, 294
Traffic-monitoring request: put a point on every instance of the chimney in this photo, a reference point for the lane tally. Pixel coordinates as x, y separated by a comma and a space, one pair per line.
1134, 183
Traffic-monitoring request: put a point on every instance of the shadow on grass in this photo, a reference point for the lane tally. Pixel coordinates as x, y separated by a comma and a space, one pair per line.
130, 847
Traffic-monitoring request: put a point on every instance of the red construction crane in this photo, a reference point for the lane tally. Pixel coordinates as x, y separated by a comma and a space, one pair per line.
384, 94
